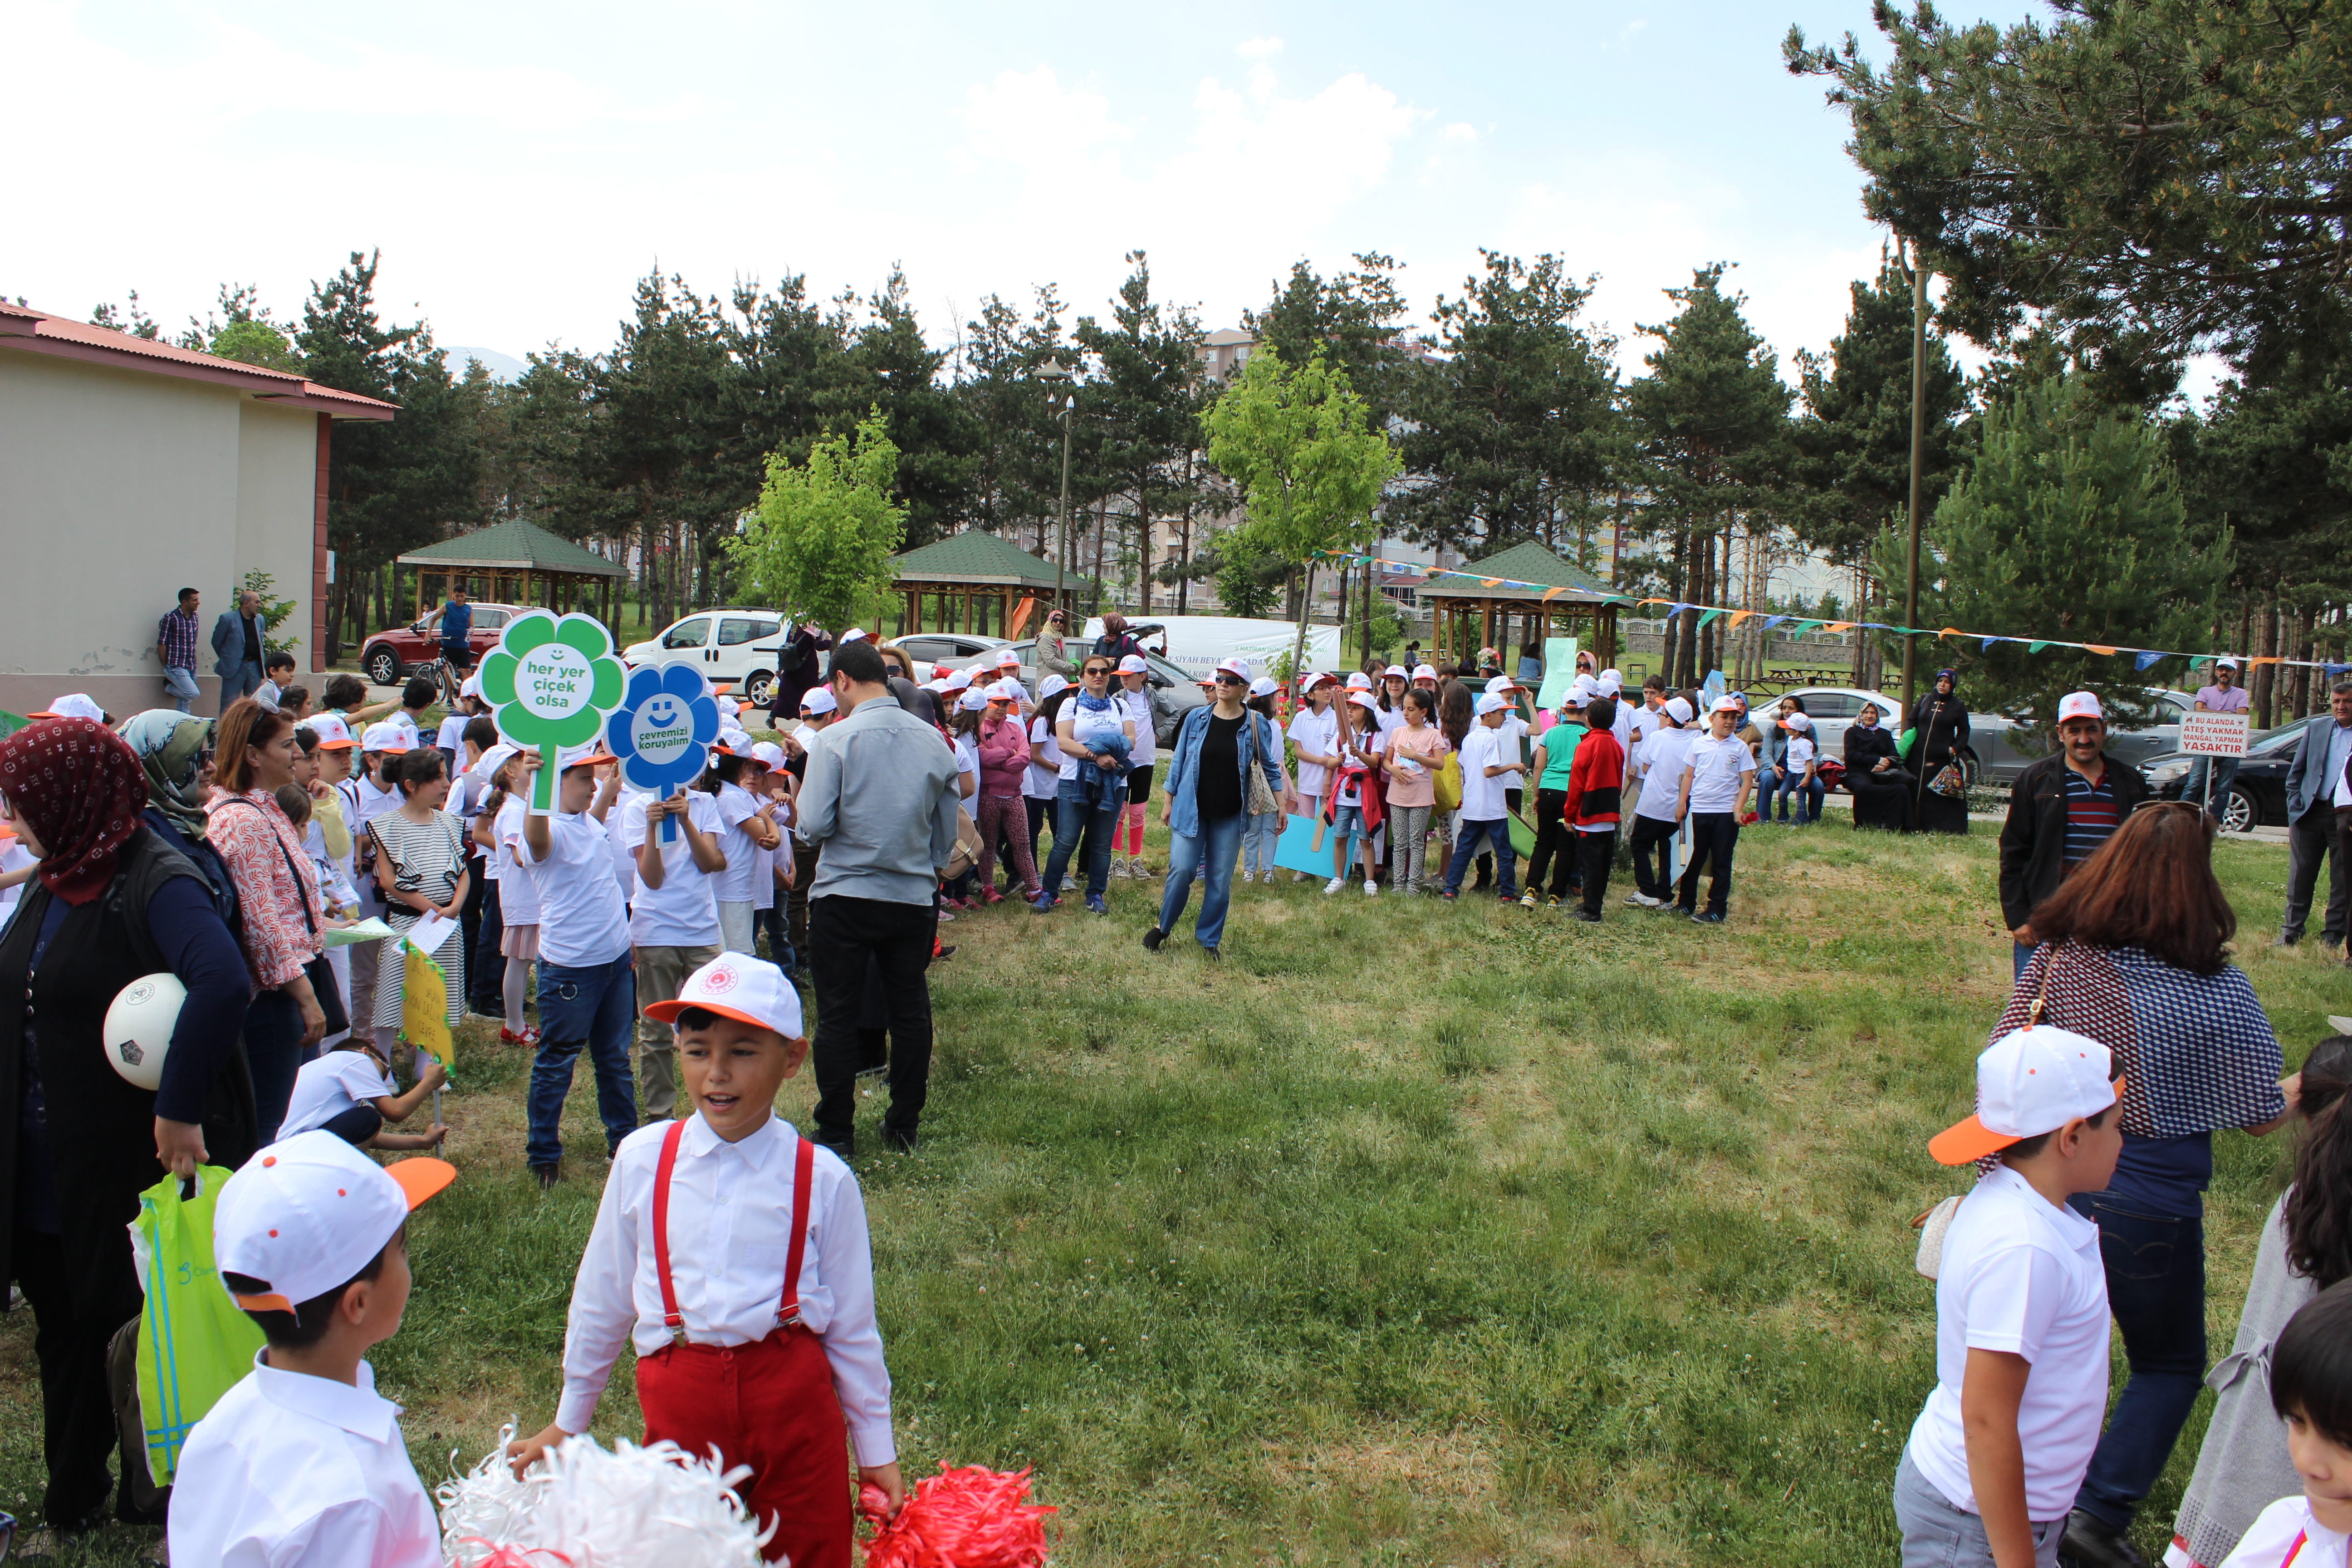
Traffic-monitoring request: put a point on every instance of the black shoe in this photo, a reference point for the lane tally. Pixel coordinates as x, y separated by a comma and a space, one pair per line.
899, 1141
1152, 939
945, 952
1708, 918
548, 1175
847, 1151
2091, 1542
1587, 916
1211, 954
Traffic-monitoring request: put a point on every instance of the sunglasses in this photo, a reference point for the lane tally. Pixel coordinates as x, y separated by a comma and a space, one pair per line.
1097, 669
1224, 679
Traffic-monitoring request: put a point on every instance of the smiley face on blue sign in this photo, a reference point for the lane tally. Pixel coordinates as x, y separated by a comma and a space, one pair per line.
663, 729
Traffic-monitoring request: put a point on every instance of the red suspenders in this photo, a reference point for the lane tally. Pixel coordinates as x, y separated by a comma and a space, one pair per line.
788, 1307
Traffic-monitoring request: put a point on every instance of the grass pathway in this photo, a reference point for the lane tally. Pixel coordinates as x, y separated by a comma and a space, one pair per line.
1408, 1234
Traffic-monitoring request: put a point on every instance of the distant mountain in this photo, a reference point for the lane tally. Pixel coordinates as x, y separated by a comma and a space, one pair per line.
502, 366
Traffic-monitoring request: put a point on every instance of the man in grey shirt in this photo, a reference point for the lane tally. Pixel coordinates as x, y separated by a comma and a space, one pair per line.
879, 801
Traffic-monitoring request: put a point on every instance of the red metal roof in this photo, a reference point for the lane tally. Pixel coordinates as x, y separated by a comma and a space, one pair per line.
38, 331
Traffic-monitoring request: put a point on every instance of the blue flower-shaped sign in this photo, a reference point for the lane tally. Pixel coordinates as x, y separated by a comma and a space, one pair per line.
663, 729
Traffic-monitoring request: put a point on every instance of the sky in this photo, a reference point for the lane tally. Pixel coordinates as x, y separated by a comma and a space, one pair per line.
520, 165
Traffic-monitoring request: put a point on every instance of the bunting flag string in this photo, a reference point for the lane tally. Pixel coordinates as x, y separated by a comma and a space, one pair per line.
1548, 591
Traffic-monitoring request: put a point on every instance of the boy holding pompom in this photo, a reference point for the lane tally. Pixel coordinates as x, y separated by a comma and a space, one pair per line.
733, 1252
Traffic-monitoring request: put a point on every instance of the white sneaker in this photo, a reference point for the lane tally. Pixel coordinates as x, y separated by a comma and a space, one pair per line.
1372, 888
1336, 885
1267, 878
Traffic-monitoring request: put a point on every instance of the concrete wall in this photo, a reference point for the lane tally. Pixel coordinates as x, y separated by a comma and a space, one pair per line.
117, 489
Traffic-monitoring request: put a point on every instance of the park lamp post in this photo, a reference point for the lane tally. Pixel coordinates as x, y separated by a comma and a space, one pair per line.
1061, 387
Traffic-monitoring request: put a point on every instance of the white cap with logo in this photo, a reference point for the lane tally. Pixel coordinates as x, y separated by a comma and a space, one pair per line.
1264, 686
1491, 702
72, 705
1239, 668
2080, 705
1678, 709
1425, 672
334, 735
739, 987
306, 1215
1133, 665
820, 699
386, 737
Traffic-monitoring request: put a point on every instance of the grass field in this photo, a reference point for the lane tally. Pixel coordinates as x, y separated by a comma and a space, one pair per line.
1409, 1233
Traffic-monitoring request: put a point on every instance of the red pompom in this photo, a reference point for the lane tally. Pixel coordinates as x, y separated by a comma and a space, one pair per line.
968, 1518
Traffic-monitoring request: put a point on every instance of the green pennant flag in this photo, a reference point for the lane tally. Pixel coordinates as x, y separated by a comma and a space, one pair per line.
1802, 628
2035, 648
1710, 616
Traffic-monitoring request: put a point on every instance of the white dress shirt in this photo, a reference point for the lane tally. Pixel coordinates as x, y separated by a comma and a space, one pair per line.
730, 1227
294, 1471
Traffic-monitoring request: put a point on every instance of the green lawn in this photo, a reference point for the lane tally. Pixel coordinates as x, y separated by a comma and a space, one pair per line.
1408, 1234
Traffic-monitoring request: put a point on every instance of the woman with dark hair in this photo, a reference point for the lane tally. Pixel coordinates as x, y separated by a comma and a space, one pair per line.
294, 1000
112, 902
1942, 721
2307, 1247
2133, 953
1207, 802
1874, 775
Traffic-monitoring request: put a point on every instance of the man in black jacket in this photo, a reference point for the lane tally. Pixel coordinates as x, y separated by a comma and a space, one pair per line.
2060, 810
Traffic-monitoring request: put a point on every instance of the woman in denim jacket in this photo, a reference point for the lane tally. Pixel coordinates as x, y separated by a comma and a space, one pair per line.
1206, 800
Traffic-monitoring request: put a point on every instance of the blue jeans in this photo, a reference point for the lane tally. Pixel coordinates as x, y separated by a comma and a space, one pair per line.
1076, 813
780, 939
1258, 836
180, 685
593, 1006
1714, 836
1210, 856
1467, 839
2155, 1287
2223, 769
2022, 957
1937, 1535
1789, 785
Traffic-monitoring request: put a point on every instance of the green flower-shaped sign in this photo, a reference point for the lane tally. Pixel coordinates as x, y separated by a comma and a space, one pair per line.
550, 684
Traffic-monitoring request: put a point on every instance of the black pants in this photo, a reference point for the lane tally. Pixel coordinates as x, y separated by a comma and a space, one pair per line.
355, 1126
846, 938
1649, 834
273, 1052
486, 927
1594, 852
2311, 838
1040, 812
1714, 836
77, 1411
804, 877
1556, 845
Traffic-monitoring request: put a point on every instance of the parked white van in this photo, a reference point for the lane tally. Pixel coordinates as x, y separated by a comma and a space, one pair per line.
719, 643
1195, 643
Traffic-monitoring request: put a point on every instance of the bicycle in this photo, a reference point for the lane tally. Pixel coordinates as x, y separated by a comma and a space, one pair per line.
447, 679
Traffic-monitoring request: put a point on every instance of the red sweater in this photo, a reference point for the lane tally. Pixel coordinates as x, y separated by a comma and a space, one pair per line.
1592, 780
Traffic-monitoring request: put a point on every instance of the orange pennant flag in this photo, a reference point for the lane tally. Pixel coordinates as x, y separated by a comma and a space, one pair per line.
2094, 647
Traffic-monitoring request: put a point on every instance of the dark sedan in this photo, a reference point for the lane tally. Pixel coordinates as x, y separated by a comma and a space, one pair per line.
2257, 795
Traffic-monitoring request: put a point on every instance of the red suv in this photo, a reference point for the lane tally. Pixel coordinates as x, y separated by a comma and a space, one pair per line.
388, 656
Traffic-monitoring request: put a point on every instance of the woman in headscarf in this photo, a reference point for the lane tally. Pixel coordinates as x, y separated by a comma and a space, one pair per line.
170, 746
112, 902
1942, 721
1874, 775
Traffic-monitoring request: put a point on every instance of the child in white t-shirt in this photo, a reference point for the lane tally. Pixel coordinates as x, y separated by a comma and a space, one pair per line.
1996, 1455
2311, 1389
348, 1091
1490, 762
1718, 772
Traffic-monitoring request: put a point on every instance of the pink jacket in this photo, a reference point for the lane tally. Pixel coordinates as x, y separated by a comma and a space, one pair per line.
1003, 755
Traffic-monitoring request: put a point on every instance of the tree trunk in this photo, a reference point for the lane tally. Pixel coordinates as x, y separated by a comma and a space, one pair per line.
2266, 676
2304, 648
1669, 629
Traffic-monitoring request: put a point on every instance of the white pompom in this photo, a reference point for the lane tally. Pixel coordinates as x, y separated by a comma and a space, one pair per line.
586, 1507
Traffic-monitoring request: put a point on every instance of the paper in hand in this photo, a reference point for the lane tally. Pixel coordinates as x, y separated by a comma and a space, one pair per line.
429, 934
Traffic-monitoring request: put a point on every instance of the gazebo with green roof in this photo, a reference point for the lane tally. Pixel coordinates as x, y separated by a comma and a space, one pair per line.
508, 562
958, 580
1474, 609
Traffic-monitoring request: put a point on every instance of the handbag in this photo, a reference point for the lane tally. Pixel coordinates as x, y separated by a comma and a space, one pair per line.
1445, 783
1950, 782
1258, 798
317, 970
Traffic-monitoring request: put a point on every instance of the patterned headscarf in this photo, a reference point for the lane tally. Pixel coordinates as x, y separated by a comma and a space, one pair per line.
78, 787
170, 746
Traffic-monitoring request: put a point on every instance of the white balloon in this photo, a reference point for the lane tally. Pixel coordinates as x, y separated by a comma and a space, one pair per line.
139, 1028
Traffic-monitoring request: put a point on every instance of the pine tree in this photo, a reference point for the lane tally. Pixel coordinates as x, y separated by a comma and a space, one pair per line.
2068, 525
1147, 396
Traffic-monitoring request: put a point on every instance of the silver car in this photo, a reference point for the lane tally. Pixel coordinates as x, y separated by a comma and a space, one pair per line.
1173, 692
2003, 750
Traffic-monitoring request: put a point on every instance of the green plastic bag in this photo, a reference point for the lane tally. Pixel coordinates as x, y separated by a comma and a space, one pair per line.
194, 1342
1903, 747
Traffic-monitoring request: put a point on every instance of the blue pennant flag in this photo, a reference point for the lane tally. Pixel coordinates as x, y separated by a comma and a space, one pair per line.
1989, 641
1772, 621
2145, 657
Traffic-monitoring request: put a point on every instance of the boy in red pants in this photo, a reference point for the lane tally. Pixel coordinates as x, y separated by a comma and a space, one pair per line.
733, 1252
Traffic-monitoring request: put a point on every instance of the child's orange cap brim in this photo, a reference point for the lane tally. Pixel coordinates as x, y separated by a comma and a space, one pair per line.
420, 1177
1964, 1143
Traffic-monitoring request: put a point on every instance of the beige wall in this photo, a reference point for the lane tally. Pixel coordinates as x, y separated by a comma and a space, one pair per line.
119, 488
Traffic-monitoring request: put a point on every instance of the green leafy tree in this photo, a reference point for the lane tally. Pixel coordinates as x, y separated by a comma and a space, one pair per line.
1356, 317
821, 540
1712, 422
933, 431
1516, 432
1311, 468
2154, 177
1249, 575
128, 318
2070, 523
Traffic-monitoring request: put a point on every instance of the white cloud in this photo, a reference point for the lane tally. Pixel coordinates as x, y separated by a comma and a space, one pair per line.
1030, 121
1461, 131
1258, 48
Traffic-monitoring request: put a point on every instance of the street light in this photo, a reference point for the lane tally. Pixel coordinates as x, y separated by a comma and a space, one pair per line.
1061, 387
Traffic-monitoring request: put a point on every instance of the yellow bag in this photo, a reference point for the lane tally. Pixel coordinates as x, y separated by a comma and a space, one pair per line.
1445, 783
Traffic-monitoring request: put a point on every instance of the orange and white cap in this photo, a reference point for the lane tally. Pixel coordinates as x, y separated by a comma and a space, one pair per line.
306, 1215
334, 735
1238, 669
2080, 705
590, 754
739, 987
386, 737
2029, 1081
72, 705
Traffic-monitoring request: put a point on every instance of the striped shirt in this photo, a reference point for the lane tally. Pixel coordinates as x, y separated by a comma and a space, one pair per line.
176, 635
2091, 816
